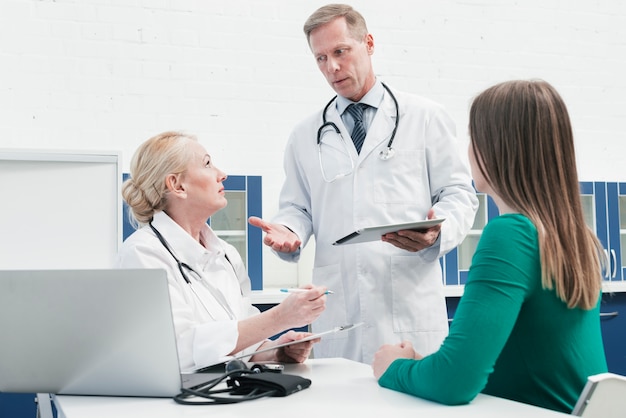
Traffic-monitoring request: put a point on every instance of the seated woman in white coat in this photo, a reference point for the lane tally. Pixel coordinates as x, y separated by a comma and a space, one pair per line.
172, 191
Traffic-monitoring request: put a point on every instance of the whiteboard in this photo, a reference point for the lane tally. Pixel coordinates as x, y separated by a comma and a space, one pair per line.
59, 209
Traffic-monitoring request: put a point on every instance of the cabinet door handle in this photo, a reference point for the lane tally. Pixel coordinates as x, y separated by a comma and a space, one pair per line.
613, 264
609, 314
608, 264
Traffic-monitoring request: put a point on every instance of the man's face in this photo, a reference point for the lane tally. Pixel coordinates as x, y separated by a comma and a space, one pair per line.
345, 62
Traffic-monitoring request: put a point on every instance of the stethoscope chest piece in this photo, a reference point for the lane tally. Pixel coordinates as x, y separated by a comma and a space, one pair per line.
387, 153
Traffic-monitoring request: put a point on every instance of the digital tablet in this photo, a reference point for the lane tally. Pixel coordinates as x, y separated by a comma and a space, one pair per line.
373, 233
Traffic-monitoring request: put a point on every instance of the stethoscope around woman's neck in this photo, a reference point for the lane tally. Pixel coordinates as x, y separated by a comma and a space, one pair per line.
385, 154
182, 266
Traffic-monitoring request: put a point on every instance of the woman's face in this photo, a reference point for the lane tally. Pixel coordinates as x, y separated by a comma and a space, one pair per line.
203, 183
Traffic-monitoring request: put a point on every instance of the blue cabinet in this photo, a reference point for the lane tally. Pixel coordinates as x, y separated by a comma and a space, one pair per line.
18, 405
604, 207
613, 322
457, 262
604, 204
231, 223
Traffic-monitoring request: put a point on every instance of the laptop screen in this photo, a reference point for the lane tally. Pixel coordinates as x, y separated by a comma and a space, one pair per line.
87, 332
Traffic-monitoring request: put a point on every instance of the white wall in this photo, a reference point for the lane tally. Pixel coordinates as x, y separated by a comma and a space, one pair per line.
108, 74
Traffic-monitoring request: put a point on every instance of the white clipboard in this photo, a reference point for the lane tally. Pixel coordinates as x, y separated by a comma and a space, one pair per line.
309, 338
373, 233
220, 366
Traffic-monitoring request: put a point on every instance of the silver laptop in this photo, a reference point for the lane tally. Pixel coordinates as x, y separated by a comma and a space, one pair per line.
87, 332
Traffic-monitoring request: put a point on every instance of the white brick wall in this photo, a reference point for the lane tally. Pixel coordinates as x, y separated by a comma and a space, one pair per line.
107, 74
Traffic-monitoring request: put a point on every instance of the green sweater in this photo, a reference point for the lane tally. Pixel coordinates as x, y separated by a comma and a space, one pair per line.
510, 337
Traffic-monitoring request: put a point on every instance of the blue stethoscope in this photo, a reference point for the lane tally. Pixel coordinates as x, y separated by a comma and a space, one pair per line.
385, 154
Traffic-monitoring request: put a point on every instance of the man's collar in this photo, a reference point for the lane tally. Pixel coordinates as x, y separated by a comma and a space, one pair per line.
372, 98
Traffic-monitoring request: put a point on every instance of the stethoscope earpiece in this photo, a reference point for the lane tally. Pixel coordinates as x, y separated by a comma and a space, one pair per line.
387, 153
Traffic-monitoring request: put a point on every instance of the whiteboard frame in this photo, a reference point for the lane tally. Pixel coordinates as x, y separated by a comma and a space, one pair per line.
72, 156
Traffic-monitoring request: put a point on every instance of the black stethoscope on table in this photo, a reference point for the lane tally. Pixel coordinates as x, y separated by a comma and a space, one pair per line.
385, 154
182, 266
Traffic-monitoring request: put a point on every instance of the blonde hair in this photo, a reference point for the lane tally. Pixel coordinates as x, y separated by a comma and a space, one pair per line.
145, 191
522, 134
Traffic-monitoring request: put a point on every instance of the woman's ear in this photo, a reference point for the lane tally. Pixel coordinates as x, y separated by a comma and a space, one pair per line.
175, 186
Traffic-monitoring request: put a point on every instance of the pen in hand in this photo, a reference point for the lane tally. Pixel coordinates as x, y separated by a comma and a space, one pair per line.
297, 290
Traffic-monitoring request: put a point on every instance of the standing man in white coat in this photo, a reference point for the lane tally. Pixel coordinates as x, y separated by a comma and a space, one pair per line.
408, 169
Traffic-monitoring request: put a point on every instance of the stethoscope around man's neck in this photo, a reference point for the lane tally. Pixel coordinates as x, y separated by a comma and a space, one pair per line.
182, 266
385, 154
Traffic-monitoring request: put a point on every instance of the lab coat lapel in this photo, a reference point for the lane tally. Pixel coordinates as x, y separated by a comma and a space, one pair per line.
333, 116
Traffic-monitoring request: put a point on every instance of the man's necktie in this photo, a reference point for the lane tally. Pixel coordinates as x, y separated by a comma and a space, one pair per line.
358, 132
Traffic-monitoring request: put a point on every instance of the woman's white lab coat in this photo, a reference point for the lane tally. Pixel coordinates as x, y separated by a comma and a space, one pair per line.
397, 294
205, 322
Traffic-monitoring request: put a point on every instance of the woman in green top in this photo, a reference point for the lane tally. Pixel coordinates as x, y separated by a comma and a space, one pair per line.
527, 327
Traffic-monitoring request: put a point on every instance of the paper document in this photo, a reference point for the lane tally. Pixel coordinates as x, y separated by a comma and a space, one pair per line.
373, 233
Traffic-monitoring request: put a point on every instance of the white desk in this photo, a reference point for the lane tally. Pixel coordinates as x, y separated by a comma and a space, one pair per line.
339, 388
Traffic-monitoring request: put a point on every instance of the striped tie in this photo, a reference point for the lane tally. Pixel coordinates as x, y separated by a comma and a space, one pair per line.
358, 132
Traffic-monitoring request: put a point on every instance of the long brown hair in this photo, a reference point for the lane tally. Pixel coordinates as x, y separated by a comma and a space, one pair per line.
521, 133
